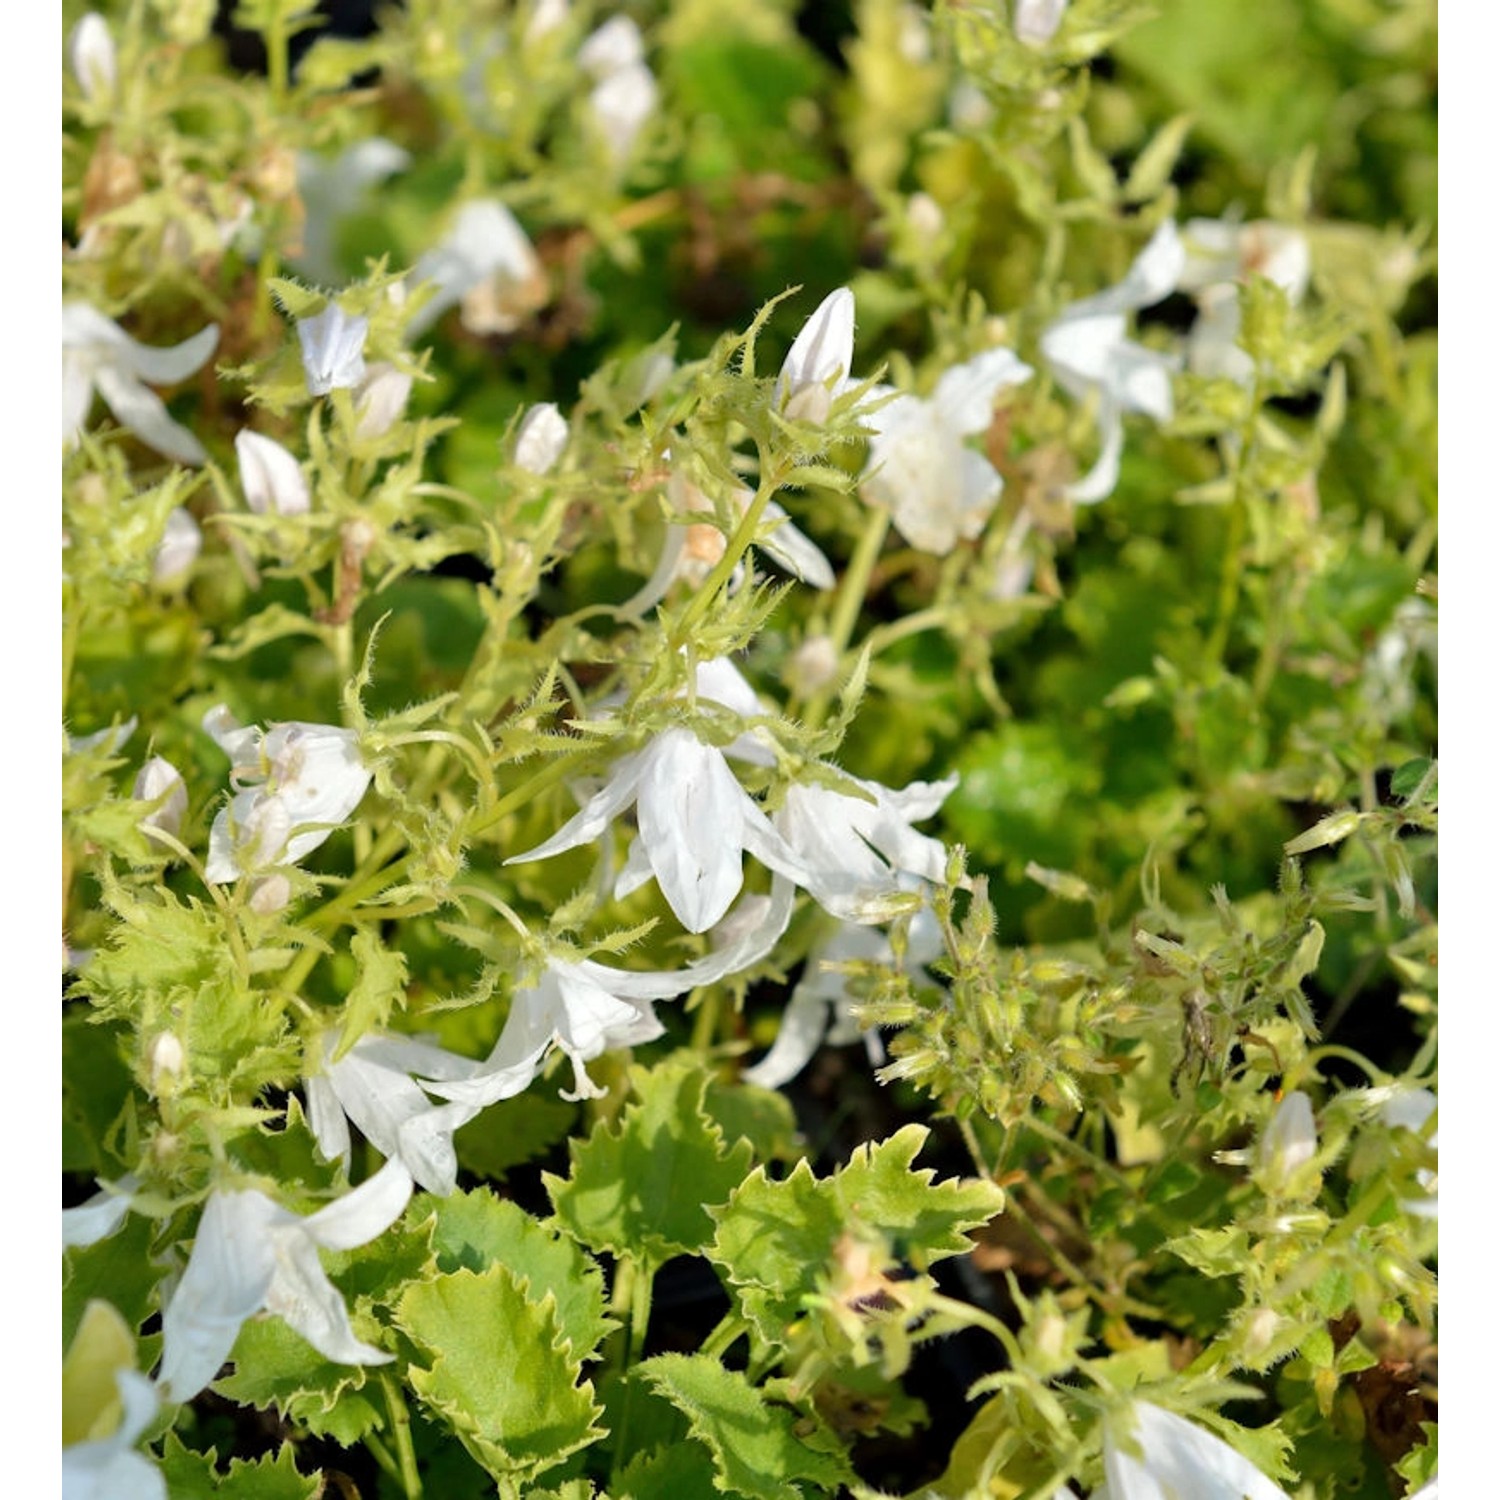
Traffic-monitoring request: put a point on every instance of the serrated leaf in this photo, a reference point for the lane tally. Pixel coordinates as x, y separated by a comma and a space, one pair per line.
667, 1473
513, 1132
645, 1190
379, 989
756, 1447
192, 1476
117, 1270
476, 1230
474, 1326
745, 1112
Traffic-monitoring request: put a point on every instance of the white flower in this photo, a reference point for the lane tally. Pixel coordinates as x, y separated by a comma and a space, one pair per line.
333, 350
99, 355
1086, 349
160, 781
625, 94
1288, 1143
252, 1255
696, 822
310, 779
109, 1468
91, 51
98, 1217
585, 1008
372, 1085
1037, 21
1410, 1109
1219, 256
541, 438
547, 16
271, 477
380, 399
822, 1001
181, 542
1174, 1459
852, 853
919, 468
331, 188
615, 45
487, 263
113, 737
816, 368
691, 550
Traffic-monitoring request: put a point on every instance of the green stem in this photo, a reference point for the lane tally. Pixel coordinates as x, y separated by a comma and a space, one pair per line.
411, 1480
852, 591
1234, 559
632, 1297
721, 1340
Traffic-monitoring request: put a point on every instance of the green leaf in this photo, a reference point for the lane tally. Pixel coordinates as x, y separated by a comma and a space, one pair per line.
117, 1270
379, 989
645, 1190
666, 1473
513, 1132
758, 1449
499, 1372
477, 1230
191, 1475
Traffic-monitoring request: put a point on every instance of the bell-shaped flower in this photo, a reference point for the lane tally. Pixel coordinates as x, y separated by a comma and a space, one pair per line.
99, 355
298, 782
1086, 349
696, 822
181, 542
625, 94
252, 1255
541, 438
333, 349
1410, 1109
936, 487
1161, 1456
1036, 21
816, 368
487, 263
1219, 256
271, 478
690, 550
330, 188
109, 1468
853, 853
372, 1085
91, 53
583, 1008
161, 782
821, 1007
1288, 1143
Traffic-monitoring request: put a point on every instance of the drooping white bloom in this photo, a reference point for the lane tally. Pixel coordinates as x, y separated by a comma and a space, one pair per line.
160, 780
271, 477
696, 822
1219, 256
331, 188
541, 438
816, 368
252, 1255
99, 355
1288, 1143
1086, 349
821, 1006
485, 262
98, 1217
112, 737
91, 52
690, 550
109, 1468
1171, 1458
936, 487
380, 399
294, 776
371, 1084
583, 1008
625, 93
333, 350
181, 542
1410, 1109
1036, 21
853, 853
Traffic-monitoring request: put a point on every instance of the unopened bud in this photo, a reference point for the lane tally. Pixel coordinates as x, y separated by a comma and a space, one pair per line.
270, 895
270, 476
165, 1061
181, 542
91, 51
159, 780
541, 438
380, 399
1290, 1141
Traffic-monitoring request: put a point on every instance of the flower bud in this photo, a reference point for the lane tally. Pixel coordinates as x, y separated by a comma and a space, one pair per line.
160, 781
165, 1061
541, 438
380, 399
333, 350
181, 541
271, 478
1289, 1142
91, 51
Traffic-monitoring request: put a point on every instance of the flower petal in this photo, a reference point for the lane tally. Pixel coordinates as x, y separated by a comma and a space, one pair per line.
366, 1211
822, 352
144, 413
597, 813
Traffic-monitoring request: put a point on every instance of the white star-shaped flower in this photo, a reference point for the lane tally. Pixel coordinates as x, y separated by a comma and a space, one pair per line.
816, 369
1161, 1456
936, 487
99, 355
251, 1255
1086, 349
